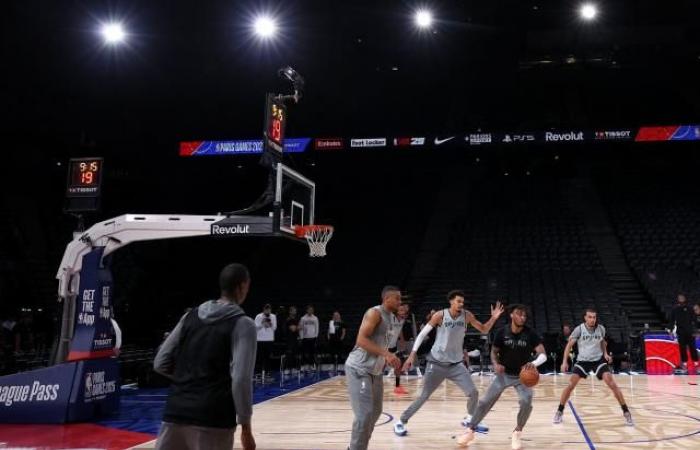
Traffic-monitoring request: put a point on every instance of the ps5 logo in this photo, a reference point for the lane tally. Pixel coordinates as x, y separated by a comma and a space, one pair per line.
523, 137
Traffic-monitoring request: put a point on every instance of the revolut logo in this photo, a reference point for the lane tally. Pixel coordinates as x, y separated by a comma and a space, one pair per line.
96, 387
37, 392
559, 137
230, 229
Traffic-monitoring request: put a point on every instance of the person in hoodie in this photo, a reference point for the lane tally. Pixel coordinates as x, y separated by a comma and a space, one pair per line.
210, 358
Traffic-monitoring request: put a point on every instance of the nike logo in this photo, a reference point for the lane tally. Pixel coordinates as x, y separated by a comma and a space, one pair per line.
439, 141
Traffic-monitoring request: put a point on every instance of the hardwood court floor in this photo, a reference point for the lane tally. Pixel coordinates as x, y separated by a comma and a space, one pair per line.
666, 410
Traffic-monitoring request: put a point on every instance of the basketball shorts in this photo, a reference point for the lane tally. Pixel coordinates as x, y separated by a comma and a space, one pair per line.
582, 368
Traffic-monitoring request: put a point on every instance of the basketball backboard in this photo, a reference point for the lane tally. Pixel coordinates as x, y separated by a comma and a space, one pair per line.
295, 197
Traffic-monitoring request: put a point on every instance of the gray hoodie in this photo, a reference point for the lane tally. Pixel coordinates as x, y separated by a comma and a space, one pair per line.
243, 347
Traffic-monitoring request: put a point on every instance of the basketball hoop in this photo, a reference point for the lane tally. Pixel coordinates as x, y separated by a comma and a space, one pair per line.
317, 236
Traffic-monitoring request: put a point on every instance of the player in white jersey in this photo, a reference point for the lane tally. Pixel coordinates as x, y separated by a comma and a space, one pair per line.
445, 360
592, 356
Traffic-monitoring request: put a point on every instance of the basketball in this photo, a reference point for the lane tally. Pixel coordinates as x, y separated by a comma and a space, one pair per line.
529, 377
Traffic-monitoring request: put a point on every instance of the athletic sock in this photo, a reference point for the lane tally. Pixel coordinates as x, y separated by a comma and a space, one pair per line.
624, 408
560, 408
398, 381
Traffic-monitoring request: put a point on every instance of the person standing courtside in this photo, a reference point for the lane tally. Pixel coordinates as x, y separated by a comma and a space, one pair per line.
365, 366
266, 325
683, 320
210, 358
292, 339
308, 330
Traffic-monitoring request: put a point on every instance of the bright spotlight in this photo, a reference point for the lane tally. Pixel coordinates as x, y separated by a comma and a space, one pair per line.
113, 33
265, 27
589, 11
424, 18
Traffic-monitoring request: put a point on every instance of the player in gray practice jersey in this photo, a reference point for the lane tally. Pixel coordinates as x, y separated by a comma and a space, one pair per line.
445, 360
593, 356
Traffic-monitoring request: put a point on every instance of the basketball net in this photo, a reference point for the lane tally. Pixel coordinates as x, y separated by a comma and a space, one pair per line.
317, 236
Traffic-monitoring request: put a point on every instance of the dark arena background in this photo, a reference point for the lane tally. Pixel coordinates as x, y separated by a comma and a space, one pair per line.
532, 152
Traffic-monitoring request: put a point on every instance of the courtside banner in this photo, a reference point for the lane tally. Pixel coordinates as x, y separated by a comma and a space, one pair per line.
661, 353
238, 147
39, 396
669, 133
93, 336
95, 390
69, 392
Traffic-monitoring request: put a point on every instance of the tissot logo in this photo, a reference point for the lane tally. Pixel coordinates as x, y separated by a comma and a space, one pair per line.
613, 135
372, 142
329, 144
558, 137
440, 141
478, 138
230, 229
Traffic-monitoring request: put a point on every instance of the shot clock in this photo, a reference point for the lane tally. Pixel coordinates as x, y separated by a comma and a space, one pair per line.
84, 184
275, 123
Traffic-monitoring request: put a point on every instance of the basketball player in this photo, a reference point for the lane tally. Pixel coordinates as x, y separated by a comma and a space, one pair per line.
399, 338
592, 355
512, 349
365, 366
445, 360
210, 357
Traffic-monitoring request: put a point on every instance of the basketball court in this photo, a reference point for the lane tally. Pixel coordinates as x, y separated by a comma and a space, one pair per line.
665, 409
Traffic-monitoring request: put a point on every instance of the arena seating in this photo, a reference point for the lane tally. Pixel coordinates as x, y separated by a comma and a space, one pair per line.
656, 220
517, 241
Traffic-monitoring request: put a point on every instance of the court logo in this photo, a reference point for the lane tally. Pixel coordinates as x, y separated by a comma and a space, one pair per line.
371, 142
563, 137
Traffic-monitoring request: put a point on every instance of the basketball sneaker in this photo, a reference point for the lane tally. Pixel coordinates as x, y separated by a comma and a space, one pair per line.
400, 429
481, 428
515, 442
399, 390
467, 438
628, 419
557, 417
